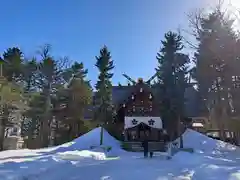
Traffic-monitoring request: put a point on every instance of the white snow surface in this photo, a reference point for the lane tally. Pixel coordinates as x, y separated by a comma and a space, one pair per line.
202, 143
212, 159
89, 140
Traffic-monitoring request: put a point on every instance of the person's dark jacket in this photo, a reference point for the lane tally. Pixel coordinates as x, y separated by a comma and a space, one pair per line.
145, 145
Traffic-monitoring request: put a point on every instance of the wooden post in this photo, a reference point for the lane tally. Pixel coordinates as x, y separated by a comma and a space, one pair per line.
101, 136
180, 132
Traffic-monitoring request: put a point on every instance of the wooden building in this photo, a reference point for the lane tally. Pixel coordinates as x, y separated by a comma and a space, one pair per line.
138, 113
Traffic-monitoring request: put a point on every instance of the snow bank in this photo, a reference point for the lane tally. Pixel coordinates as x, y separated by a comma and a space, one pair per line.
89, 140
79, 155
202, 143
187, 158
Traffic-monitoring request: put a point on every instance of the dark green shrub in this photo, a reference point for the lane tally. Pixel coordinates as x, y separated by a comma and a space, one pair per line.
126, 146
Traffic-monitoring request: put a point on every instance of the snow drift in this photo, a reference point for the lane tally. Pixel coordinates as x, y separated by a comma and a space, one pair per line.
79, 155
89, 140
74, 160
202, 143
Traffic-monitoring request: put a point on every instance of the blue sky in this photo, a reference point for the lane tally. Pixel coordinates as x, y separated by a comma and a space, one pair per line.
132, 30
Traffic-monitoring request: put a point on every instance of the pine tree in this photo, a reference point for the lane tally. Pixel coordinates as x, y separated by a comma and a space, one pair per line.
216, 65
28, 75
29, 85
72, 102
104, 87
76, 71
49, 77
172, 82
12, 67
33, 117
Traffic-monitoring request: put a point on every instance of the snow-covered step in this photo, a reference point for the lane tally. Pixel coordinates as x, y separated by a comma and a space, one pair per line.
153, 146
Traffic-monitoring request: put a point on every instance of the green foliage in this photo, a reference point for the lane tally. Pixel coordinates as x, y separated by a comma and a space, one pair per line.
72, 102
33, 115
29, 74
104, 86
172, 81
215, 55
217, 67
12, 66
126, 146
76, 70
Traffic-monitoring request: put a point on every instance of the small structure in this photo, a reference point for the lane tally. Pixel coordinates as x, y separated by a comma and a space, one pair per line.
13, 142
197, 126
200, 124
13, 139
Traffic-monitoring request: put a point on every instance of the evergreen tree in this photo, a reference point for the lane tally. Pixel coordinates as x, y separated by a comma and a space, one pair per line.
216, 65
12, 67
28, 78
172, 82
29, 74
49, 77
12, 102
76, 71
41, 85
33, 117
72, 102
104, 87
235, 90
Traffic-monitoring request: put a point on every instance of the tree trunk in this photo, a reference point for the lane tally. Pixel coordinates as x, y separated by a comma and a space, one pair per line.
43, 133
47, 118
2, 134
70, 133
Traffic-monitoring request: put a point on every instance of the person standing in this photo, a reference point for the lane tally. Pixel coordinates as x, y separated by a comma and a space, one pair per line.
145, 145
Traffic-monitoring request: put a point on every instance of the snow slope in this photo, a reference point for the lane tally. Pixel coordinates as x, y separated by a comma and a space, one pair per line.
75, 161
202, 143
88, 140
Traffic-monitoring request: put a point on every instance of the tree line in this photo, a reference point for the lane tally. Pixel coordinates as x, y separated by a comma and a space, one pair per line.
215, 72
47, 97
50, 98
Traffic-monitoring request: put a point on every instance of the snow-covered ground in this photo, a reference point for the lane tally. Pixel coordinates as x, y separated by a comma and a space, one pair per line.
212, 159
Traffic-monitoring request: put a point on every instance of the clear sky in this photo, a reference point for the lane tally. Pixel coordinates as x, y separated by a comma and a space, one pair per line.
132, 30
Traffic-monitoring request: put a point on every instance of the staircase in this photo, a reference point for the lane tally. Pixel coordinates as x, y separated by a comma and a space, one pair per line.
135, 146
152, 146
